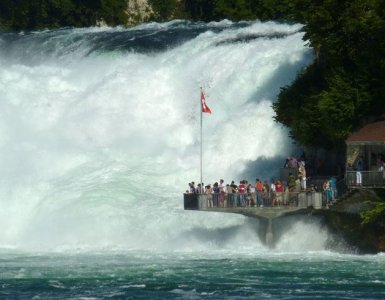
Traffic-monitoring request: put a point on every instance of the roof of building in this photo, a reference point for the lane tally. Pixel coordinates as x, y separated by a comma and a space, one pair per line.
373, 132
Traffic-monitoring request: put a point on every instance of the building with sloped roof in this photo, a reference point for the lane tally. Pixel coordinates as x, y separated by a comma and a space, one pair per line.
367, 144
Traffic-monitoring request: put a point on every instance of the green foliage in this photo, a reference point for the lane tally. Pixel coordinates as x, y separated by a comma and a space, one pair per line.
199, 9
232, 9
40, 14
164, 9
113, 12
346, 84
236, 10
25, 14
375, 213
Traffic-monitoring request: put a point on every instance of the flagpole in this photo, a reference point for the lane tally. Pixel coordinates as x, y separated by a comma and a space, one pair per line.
201, 145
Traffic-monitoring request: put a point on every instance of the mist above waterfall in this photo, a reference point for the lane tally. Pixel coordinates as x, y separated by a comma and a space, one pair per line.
99, 129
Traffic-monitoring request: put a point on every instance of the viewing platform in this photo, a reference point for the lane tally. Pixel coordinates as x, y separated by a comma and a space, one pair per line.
264, 207
270, 206
257, 206
364, 173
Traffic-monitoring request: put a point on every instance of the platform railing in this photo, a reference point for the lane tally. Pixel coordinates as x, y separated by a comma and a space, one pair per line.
341, 188
368, 179
282, 200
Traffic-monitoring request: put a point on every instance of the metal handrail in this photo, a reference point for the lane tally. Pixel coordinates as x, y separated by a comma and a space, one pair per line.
287, 199
283, 200
342, 188
365, 178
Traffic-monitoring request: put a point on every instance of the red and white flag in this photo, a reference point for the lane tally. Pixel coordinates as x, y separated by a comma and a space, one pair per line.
205, 108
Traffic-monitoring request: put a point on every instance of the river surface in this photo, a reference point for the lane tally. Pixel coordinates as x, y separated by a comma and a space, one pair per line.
215, 275
99, 136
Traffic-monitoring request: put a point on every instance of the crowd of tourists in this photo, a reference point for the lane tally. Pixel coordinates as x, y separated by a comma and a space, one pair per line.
329, 185
262, 192
276, 192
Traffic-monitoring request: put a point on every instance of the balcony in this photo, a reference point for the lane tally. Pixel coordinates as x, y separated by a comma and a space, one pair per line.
370, 179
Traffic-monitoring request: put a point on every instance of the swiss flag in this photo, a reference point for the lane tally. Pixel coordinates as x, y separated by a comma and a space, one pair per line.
205, 108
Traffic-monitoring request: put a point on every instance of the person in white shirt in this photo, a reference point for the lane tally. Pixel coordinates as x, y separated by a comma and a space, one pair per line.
273, 193
302, 175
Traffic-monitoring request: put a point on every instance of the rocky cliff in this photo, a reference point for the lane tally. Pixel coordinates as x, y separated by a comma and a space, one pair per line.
346, 219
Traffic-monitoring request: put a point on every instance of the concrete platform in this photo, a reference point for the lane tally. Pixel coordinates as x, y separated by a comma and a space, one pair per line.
261, 212
301, 203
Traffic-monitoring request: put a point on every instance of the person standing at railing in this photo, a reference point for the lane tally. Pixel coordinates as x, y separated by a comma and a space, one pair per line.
252, 195
222, 193
215, 194
333, 188
279, 190
234, 189
291, 182
302, 176
209, 192
259, 191
327, 191
273, 193
242, 190
359, 169
266, 197
381, 169
192, 187
229, 193
199, 189
287, 194
249, 194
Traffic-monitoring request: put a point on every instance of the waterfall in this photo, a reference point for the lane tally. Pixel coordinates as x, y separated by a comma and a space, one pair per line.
99, 129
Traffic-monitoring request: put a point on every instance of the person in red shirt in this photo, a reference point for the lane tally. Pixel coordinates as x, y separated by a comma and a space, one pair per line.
279, 191
241, 191
259, 191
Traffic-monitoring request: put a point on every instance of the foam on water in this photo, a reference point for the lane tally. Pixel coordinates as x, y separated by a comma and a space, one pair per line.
99, 130
300, 236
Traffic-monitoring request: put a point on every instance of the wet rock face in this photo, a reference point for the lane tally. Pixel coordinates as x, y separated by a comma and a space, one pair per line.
348, 226
381, 243
355, 203
344, 219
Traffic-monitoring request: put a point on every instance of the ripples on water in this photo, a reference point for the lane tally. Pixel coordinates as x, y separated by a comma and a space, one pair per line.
230, 275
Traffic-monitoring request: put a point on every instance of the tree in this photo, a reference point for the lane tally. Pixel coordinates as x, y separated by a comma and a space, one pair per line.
344, 87
164, 9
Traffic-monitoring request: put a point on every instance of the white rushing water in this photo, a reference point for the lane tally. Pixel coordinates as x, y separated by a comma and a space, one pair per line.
98, 141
